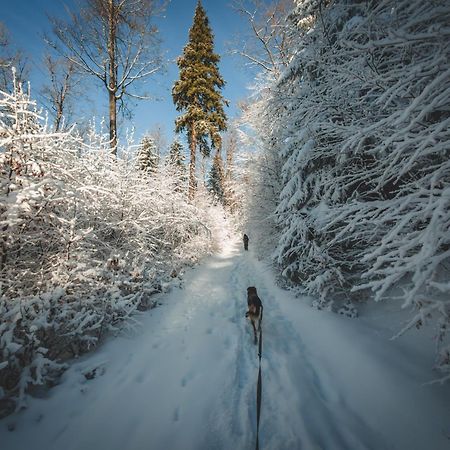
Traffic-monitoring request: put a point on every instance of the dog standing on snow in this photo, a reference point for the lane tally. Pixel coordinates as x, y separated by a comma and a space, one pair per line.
255, 309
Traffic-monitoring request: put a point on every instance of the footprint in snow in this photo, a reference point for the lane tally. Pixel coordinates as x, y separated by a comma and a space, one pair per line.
140, 378
186, 379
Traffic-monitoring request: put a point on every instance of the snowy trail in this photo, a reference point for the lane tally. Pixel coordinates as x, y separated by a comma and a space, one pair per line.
297, 407
187, 380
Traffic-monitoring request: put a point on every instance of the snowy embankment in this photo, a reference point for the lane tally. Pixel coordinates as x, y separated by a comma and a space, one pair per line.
187, 379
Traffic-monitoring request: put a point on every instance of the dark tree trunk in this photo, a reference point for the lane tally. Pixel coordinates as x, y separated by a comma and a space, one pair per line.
192, 179
113, 122
112, 77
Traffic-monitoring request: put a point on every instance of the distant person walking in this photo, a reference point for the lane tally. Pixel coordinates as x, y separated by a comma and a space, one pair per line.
245, 242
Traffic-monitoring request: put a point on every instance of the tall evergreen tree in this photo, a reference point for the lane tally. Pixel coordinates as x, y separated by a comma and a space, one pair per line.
197, 93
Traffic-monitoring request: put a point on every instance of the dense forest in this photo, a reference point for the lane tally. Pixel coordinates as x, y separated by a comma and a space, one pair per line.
354, 165
338, 165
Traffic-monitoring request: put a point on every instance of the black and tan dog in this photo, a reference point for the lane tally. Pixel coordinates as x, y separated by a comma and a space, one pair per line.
255, 309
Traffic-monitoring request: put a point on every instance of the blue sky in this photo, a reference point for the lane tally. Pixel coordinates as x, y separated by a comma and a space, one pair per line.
26, 21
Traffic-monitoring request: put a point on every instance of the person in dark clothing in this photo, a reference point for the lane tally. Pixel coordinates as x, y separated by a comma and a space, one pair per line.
245, 242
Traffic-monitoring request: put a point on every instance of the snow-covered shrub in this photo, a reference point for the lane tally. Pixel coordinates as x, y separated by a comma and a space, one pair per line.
86, 239
259, 170
361, 121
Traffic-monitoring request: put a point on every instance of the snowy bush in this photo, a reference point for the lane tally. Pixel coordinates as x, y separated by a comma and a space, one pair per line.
259, 171
86, 239
361, 121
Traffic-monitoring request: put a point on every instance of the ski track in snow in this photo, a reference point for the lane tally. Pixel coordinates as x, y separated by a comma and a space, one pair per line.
188, 380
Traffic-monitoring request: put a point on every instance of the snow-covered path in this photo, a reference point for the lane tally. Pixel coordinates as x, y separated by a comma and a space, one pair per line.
187, 380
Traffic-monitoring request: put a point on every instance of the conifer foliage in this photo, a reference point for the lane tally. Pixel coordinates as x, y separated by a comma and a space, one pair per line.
175, 163
197, 93
217, 178
176, 157
148, 158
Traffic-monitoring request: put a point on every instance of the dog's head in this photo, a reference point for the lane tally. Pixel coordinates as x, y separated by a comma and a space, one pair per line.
251, 290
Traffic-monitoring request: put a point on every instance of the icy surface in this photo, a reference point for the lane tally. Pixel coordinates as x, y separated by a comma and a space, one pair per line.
187, 380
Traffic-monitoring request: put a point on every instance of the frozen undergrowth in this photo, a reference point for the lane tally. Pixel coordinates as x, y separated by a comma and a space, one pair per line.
86, 240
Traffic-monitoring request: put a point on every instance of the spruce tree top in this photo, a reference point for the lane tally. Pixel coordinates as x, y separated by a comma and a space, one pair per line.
197, 92
147, 157
176, 157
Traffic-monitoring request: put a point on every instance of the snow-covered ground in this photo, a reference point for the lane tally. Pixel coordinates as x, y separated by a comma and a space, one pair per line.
187, 379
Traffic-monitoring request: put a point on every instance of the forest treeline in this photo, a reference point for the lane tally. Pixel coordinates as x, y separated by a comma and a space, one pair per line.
339, 172
354, 172
93, 224
86, 240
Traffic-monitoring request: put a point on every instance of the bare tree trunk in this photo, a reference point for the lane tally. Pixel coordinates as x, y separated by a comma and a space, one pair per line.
4, 241
192, 180
113, 41
59, 114
112, 78
59, 90
3, 248
113, 122
203, 171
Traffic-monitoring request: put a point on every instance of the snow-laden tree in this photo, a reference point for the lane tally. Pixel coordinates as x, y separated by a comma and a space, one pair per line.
259, 169
197, 93
86, 239
360, 120
147, 155
266, 45
216, 178
176, 157
232, 195
175, 163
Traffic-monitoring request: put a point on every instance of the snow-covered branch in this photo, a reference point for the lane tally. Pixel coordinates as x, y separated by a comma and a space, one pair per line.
86, 240
360, 120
